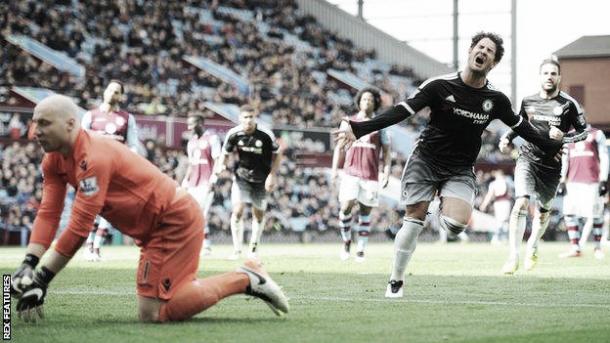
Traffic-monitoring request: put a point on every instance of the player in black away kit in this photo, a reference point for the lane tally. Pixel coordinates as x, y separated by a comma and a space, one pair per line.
254, 174
462, 105
538, 170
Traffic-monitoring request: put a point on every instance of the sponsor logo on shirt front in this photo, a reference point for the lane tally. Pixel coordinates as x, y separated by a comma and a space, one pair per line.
477, 118
251, 149
552, 120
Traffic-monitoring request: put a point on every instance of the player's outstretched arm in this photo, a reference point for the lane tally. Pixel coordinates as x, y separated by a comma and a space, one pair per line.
343, 136
524, 129
389, 117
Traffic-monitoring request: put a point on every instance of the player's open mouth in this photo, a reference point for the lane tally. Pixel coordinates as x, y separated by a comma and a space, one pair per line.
479, 60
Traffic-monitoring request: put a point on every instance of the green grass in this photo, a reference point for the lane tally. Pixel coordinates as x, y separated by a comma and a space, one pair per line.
454, 294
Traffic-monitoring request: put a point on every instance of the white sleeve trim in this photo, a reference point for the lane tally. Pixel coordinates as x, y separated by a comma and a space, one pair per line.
518, 123
407, 107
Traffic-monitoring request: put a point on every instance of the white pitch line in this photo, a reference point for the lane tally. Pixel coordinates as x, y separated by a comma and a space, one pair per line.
450, 302
374, 300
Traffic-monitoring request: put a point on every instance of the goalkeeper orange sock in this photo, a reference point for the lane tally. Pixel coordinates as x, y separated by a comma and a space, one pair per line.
200, 294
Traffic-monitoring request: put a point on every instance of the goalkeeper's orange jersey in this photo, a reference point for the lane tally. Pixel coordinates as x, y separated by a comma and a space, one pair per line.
110, 180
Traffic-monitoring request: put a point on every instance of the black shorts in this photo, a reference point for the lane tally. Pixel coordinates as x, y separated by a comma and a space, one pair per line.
422, 179
534, 179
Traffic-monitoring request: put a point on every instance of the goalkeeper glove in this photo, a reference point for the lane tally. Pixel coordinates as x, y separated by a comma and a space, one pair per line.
29, 306
23, 276
603, 189
561, 189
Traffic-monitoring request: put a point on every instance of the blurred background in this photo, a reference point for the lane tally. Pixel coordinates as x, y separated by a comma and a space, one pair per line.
299, 63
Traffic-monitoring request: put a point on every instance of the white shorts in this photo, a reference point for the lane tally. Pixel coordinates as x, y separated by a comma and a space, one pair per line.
502, 209
103, 223
355, 188
200, 193
582, 199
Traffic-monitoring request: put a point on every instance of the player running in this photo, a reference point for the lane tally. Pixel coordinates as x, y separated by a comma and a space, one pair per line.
462, 105
360, 181
583, 184
139, 200
538, 170
499, 191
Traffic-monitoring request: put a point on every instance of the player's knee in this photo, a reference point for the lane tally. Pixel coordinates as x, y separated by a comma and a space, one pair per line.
519, 210
347, 206
236, 215
364, 210
411, 227
545, 213
451, 225
521, 203
598, 220
571, 220
417, 211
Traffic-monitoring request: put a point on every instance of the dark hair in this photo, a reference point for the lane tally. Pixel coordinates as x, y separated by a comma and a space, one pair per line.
120, 84
197, 116
498, 41
247, 108
376, 97
550, 61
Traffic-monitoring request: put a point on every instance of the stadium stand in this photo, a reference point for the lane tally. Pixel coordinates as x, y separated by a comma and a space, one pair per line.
183, 57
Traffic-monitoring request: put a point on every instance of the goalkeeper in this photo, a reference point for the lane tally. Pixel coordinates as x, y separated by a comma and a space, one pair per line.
140, 200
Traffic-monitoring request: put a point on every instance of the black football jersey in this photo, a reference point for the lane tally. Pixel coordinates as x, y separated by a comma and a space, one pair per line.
562, 112
255, 152
459, 114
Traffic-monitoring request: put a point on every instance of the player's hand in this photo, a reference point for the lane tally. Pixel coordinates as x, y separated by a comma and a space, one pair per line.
213, 179
344, 136
561, 189
603, 189
270, 183
24, 275
504, 145
385, 179
30, 305
555, 134
334, 177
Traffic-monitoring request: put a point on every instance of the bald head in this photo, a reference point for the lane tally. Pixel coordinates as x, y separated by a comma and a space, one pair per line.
57, 124
57, 106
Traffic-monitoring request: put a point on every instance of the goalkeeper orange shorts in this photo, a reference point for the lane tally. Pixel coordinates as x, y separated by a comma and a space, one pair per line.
171, 256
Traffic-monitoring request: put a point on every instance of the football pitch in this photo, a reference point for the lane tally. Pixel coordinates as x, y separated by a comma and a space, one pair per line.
454, 293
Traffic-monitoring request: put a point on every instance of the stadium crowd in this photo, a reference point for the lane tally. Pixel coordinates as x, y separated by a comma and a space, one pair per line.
301, 202
146, 42
20, 187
